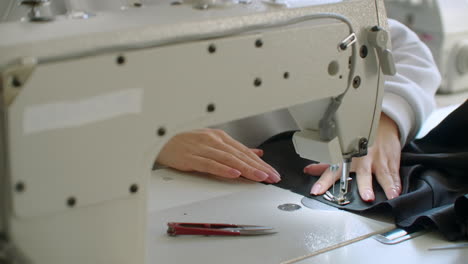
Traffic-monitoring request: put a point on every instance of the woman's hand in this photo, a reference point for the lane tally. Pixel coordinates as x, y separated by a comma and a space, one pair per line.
215, 152
382, 160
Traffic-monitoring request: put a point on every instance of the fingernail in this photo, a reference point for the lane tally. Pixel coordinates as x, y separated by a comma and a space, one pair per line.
260, 175
393, 194
234, 173
268, 180
275, 178
316, 189
306, 169
368, 196
275, 172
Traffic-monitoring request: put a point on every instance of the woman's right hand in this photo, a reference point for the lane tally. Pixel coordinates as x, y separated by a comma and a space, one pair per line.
214, 151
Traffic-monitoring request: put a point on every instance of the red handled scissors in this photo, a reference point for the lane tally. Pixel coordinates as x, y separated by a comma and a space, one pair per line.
210, 229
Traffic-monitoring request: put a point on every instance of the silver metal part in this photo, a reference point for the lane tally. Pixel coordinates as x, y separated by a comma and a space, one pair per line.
335, 199
344, 177
329, 196
254, 230
342, 198
398, 235
455, 246
350, 40
333, 169
289, 207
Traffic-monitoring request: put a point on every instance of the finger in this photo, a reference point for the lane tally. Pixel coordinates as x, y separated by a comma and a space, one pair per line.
205, 165
394, 165
245, 150
363, 170
325, 182
256, 161
258, 152
232, 161
247, 156
316, 169
385, 178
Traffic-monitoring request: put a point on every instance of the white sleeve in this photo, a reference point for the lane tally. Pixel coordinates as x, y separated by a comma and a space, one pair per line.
409, 95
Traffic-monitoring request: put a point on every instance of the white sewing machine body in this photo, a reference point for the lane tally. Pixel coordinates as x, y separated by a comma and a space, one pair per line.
443, 27
88, 103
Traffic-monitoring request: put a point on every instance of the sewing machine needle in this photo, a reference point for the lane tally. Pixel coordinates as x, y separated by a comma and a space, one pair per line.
341, 199
344, 177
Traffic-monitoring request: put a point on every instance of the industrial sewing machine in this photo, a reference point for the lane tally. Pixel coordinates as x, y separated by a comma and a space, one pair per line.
90, 95
443, 27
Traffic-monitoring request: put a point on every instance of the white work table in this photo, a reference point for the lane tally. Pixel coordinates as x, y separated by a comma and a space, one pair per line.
411, 251
340, 236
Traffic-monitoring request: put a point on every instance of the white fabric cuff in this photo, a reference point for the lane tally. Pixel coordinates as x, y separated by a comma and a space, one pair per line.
398, 109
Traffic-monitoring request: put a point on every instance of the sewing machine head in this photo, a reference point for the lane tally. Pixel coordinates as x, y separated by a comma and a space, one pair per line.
88, 103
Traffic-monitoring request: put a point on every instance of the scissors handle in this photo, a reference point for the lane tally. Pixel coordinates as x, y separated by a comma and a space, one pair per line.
175, 228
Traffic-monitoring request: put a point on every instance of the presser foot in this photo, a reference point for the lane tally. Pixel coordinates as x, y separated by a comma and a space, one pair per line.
341, 199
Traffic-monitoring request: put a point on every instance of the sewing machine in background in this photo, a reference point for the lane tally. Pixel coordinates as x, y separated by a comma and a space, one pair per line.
89, 97
442, 26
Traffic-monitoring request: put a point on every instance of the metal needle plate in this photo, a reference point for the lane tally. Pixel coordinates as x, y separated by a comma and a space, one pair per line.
289, 207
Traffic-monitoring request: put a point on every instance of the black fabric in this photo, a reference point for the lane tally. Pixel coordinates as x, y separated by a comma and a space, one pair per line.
434, 178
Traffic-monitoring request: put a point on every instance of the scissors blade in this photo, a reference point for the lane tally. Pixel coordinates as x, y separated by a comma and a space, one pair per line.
216, 229
256, 230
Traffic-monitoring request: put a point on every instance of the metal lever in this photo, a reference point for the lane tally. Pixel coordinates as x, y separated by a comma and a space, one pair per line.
379, 38
398, 235
453, 246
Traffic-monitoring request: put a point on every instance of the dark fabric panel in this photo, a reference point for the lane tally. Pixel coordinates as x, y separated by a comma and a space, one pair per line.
433, 170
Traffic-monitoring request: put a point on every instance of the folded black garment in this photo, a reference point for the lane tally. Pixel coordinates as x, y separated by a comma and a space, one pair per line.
434, 172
